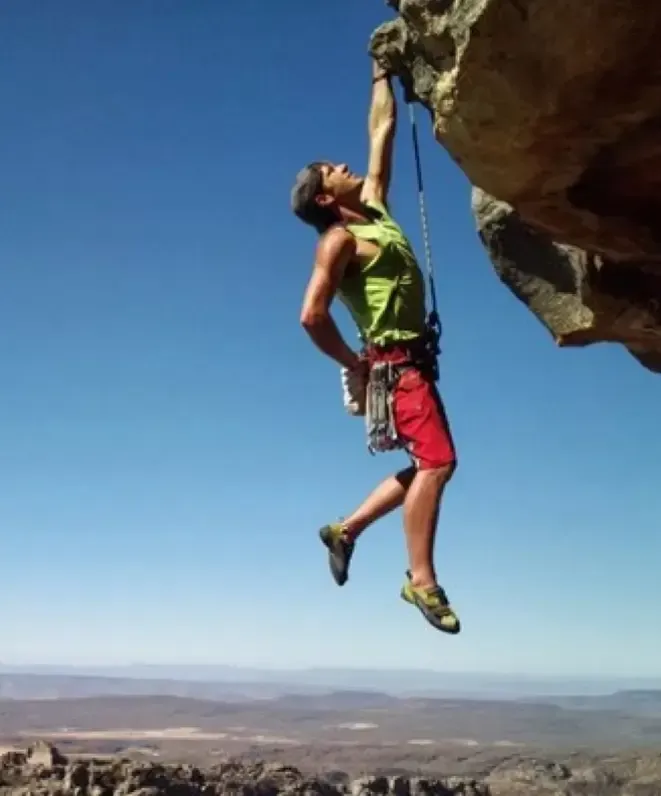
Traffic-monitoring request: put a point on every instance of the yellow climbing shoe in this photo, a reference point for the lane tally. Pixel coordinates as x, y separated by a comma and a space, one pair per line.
340, 550
433, 604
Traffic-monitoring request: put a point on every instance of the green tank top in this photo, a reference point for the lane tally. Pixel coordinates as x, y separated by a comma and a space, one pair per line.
385, 297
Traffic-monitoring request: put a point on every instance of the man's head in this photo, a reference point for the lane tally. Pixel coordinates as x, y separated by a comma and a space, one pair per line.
320, 192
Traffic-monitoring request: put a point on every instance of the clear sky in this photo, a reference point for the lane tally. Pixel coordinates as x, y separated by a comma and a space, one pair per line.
171, 441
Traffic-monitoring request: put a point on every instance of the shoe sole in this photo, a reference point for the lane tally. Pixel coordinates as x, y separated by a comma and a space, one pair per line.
328, 540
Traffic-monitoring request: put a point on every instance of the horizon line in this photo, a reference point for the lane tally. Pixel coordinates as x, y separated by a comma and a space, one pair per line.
294, 670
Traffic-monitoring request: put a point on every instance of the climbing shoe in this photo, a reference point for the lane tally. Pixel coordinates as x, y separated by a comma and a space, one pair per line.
340, 550
433, 604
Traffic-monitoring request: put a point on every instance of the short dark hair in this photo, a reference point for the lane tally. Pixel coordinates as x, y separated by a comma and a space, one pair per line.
309, 184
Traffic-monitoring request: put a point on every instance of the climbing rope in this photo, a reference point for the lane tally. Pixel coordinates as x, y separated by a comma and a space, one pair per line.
433, 321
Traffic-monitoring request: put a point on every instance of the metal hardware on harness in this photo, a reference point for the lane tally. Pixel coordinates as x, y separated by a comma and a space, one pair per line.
434, 330
379, 416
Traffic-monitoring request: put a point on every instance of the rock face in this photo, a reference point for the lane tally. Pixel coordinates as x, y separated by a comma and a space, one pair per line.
553, 111
581, 298
20, 776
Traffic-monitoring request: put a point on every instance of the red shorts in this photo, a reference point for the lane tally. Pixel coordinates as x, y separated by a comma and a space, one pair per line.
419, 414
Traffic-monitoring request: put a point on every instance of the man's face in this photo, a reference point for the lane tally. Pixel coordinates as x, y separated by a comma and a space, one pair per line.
338, 183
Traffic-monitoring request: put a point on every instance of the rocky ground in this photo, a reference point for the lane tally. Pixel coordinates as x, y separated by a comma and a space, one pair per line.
43, 771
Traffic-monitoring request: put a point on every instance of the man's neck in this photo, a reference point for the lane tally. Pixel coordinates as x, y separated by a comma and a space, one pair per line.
354, 213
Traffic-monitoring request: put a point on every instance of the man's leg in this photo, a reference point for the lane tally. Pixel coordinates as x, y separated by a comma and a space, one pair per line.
421, 421
340, 537
421, 510
388, 495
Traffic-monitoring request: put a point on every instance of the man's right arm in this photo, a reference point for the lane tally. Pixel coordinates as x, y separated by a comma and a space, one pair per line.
334, 252
382, 126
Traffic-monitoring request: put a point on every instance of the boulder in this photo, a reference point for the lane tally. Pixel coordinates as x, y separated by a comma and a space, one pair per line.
42, 753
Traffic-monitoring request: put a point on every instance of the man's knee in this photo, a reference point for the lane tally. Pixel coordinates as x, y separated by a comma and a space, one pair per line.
441, 472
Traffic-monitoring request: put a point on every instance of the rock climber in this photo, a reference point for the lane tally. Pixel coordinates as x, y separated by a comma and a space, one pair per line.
364, 258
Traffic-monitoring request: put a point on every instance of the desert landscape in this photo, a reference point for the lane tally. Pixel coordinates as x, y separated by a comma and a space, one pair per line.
331, 737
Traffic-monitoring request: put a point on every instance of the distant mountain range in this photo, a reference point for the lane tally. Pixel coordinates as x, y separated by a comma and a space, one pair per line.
228, 681
296, 695
635, 703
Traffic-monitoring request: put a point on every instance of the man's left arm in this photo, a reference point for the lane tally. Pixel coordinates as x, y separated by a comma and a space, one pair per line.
381, 127
334, 252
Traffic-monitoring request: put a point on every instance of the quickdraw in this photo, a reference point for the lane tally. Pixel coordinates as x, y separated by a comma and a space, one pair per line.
379, 416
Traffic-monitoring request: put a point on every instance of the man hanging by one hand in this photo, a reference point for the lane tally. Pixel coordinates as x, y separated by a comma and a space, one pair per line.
365, 259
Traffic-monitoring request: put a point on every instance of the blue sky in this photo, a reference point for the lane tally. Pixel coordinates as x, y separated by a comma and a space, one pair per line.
171, 441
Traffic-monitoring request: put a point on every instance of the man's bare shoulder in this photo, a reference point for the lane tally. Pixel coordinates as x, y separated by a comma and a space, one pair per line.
336, 244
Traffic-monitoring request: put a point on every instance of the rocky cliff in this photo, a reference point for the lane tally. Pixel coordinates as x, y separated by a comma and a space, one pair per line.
43, 771
553, 111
